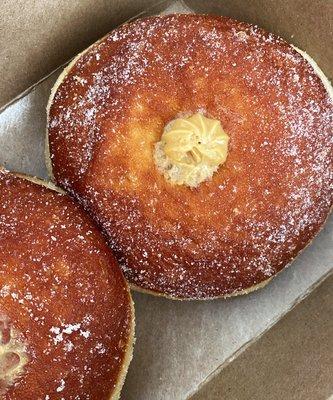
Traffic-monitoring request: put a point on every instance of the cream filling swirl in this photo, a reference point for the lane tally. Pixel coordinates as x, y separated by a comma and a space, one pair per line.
191, 149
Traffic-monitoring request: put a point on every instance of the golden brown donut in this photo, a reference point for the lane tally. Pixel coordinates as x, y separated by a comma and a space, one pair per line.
66, 314
263, 205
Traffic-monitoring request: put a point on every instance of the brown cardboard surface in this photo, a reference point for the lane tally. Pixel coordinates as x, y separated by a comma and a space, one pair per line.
178, 345
292, 361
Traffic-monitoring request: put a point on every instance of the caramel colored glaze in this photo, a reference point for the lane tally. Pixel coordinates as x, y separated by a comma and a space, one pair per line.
261, 207
63, 294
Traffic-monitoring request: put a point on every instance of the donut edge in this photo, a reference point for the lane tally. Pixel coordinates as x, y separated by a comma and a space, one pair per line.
248, 290
329, 89
58, 82
115, 394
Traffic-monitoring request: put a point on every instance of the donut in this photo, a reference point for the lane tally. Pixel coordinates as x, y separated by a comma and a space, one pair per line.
202, 147
66, 314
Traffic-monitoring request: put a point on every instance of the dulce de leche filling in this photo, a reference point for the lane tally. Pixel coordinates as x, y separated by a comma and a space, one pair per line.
191, 149
13, 355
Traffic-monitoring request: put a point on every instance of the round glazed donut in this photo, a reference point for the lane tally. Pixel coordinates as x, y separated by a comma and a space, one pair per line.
234, 231
66, 314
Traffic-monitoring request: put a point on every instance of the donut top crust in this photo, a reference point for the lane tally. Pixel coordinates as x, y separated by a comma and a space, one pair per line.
260, 208
65, 309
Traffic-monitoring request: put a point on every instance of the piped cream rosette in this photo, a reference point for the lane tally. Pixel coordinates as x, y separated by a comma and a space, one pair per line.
191, 149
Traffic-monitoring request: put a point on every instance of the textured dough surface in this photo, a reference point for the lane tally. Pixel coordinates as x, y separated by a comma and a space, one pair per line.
261, 207
63, 299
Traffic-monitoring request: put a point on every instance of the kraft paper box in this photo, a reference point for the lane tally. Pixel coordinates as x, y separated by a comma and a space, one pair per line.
180, 345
